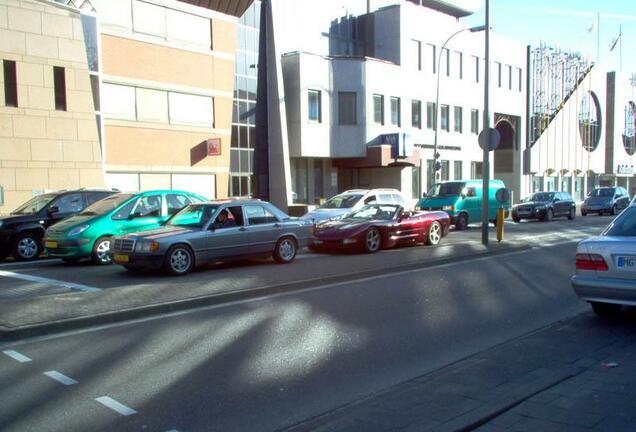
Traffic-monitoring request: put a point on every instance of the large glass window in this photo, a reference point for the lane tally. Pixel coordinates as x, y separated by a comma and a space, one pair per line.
476, 68
396, 117
431, 115
460, 64
474, 121
378, 109
347, 110
458, 174
445, 121
445, 170
416, 114
458, 117
432, 57
417, 54
314, 105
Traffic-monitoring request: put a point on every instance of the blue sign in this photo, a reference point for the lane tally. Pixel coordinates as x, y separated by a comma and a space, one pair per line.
401, 144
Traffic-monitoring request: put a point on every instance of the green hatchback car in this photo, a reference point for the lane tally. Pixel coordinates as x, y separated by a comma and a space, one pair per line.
88, 234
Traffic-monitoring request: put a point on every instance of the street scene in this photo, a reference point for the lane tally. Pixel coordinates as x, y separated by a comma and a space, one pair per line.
350, 215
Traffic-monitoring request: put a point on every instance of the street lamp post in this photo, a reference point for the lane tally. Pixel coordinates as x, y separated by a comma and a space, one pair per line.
485, 164
437, 110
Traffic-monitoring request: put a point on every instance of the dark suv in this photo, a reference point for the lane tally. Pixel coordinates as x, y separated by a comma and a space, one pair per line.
22, 230
544, 206
610, 200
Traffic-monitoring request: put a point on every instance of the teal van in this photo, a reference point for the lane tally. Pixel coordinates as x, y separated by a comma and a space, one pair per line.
462, 200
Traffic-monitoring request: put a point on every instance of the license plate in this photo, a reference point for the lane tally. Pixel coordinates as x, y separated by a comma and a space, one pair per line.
626, 263
50, 244
121, 257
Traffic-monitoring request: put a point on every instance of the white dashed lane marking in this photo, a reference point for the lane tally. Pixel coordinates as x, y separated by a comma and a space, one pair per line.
115, 406
17, 356
30, 278
59, 377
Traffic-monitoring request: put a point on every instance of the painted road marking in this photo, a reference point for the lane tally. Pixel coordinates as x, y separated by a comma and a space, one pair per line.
30, 278
59, 377
17, 356
39, 263
115, 406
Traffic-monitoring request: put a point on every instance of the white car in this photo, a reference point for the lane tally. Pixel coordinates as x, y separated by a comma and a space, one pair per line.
354, 199
606, 266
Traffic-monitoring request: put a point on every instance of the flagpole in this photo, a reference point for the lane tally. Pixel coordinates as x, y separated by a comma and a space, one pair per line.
620, 53
598, 37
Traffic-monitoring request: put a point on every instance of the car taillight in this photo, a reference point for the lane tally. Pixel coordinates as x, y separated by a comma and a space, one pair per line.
590, 262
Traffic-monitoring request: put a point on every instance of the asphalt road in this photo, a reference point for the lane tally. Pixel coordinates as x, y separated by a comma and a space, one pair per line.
268, 363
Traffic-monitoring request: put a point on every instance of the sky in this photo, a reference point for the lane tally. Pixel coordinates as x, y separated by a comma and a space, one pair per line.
567, 24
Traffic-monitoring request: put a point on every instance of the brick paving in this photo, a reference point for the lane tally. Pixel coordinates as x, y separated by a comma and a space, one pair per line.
576, 375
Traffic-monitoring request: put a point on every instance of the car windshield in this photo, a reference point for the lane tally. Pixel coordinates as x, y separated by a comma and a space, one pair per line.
106, 205
446, 189
342, 201
624, 225
604, 192
375, 211
35, 204
541, 197
193, 216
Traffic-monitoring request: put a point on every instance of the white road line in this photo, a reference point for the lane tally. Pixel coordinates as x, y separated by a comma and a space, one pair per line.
30, 278
115, 406
59, 377
40, 263
17, 356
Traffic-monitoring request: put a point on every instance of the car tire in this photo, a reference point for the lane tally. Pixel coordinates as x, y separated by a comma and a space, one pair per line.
101, 251
26, 247
548, 215
70, 260
572, 214
462, 222
605, 309
434, 235
179, 260
286, 250
516, 219
372, 240
613, 210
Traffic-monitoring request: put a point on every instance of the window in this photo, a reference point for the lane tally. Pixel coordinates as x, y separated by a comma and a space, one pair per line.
315, 108
446, 60
476, 66
176, 202
474, 121
499, 72
124, 212
347, 109
258, 215
476, 170
395, 111
509, 77
445, 123
458, 175
445, 170
59, 84
416, 114
431, 115
520, 79
460, 64
191, 109
417, 54
118, 101
92, 197
148, 206
416, 186
71, 203
152, 105
458, 117
432, 56
10, 83
378, 109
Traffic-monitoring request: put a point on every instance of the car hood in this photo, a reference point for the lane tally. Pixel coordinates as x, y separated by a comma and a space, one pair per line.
343, 226
73, 221
18, 219
160, 233
321, 214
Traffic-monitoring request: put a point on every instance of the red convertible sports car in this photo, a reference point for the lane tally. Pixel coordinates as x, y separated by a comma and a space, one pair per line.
378, 226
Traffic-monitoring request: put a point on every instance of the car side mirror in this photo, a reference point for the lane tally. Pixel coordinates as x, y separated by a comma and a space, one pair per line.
424, 195
53, 209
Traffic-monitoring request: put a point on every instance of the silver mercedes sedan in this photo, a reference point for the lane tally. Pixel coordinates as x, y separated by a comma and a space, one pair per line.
606, 266
215, 231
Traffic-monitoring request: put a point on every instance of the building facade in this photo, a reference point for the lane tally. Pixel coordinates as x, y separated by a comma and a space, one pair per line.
48, 130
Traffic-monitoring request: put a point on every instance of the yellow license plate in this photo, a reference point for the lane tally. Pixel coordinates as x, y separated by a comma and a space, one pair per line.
121, 258
50, 244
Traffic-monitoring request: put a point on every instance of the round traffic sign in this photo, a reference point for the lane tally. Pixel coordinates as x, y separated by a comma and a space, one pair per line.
492, 143
502, 195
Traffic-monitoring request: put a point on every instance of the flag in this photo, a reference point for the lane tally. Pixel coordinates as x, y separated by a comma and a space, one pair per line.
615, 41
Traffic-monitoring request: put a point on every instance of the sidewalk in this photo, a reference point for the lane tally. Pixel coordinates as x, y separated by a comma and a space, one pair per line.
577, 375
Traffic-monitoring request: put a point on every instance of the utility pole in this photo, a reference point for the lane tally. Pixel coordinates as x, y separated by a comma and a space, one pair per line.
486, 155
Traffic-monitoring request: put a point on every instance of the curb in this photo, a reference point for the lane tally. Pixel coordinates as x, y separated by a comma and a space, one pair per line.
54, 327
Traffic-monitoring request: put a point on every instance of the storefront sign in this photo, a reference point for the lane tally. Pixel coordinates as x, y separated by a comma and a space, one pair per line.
401, 144
213, 146
625, 169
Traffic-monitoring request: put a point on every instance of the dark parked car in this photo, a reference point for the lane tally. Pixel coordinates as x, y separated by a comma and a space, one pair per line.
22, 230
214, 231
544, 206
378, 226
605, 200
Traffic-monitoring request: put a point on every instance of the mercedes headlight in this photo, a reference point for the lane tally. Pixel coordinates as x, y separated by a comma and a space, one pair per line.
78, 230
146, 246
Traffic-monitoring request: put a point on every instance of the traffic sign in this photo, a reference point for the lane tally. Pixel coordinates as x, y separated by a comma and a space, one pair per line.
502, 195
495, 139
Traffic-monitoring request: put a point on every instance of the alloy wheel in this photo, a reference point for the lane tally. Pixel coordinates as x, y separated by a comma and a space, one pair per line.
287, 250
434, 233
27, 248
372, 240
180, 261
102, 251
